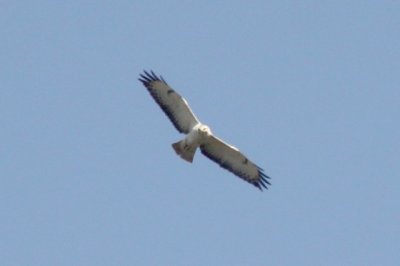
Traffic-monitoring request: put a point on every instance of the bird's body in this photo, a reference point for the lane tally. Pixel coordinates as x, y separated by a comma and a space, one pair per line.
199, 135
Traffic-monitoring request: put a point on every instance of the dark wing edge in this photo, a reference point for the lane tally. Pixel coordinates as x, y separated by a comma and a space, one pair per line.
261, 181
262, 178
147, 78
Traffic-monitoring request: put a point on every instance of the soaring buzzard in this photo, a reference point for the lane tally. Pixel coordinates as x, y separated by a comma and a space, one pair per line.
200, 135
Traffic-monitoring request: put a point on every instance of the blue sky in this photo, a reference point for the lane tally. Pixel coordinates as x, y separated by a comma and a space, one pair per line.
308, 90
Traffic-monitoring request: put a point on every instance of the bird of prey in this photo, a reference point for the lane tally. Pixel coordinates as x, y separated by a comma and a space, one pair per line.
199, 135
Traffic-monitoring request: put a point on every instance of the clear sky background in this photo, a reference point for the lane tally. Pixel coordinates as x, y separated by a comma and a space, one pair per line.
308, 90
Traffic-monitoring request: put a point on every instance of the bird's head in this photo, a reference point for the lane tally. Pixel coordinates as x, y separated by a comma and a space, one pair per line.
204, 130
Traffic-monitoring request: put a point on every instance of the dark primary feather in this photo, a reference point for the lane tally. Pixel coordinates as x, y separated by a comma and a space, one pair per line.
261, 182
149, 77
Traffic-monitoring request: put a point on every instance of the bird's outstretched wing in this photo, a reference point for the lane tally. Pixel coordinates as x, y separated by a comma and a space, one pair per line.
234, 161
174, 106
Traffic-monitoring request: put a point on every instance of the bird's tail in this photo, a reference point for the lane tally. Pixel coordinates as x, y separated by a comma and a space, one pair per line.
185, 151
